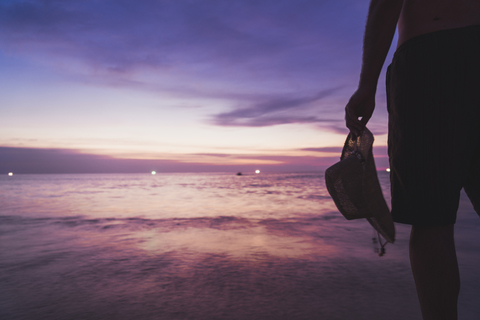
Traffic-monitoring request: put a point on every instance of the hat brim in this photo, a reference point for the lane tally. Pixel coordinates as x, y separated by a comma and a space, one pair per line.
353, 185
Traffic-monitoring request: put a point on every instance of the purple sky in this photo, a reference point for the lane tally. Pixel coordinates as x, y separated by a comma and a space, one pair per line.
125, 86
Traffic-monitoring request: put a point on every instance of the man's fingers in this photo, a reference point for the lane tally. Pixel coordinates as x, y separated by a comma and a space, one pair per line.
352, 122
358, 111
364, 120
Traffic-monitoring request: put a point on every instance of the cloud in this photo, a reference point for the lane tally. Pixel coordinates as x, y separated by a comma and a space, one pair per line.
379, 150
250, 63
274, 111
209, 37
37, 160
219, 155
268, 58
122, 35
324, 149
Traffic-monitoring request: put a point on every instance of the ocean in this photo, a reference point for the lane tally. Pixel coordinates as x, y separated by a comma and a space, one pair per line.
204, 246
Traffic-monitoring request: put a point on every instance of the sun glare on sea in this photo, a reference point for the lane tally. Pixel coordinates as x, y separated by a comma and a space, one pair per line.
154, 172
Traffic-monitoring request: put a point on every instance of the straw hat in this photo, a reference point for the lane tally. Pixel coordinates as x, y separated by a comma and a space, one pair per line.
354, 187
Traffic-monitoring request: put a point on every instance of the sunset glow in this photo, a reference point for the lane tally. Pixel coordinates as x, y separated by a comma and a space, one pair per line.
213, 88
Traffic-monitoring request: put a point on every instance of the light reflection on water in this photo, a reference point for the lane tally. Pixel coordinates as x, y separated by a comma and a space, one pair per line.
185, 246
165, 195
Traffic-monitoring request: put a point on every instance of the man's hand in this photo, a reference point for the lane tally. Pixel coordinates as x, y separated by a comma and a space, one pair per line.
361, 104
379, 30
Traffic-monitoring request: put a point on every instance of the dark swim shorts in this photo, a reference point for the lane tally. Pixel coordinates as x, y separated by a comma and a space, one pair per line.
433, 93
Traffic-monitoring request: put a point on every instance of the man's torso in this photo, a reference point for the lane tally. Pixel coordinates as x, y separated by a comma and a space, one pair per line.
425, 16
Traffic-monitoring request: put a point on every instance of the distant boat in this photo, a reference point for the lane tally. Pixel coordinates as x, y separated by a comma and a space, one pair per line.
239, 174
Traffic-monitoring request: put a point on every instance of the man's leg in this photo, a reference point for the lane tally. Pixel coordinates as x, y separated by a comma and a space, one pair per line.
435, 270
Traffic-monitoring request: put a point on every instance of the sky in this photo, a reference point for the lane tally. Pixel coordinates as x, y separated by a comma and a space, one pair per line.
179, 85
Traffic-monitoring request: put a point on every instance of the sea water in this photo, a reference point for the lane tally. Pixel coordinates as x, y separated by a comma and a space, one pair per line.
204, 246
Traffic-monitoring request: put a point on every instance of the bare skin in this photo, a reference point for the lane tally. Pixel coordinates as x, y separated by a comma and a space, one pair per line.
433, 259
424, 16
414, 17
432, 249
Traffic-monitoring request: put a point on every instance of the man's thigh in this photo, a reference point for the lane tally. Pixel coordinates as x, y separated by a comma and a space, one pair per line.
434, 113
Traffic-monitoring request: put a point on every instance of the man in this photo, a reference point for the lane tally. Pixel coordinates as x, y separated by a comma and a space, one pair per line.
433, 93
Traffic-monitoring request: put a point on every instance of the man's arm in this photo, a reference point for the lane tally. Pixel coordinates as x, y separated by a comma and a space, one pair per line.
379, 31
